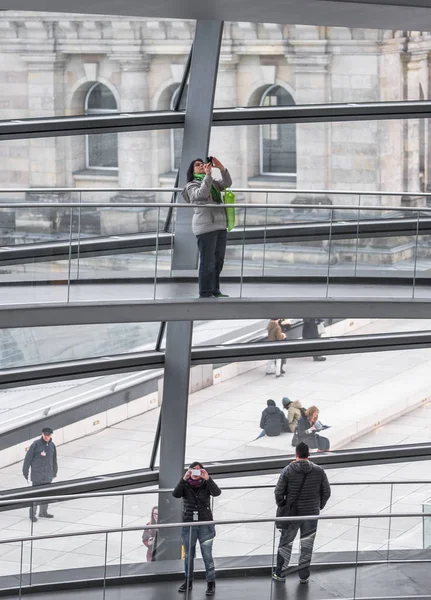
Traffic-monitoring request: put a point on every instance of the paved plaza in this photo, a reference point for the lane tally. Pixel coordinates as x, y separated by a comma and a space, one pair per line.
223, 424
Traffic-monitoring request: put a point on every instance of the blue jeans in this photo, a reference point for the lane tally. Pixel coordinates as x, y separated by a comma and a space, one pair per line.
205, 534
212, 249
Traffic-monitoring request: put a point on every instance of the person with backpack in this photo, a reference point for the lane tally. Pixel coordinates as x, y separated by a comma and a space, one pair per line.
295, 410
302, 489
272, 421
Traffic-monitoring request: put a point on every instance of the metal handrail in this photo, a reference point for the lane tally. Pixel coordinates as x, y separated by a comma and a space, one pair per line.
247, 205
66, 497
221, 522
234, 189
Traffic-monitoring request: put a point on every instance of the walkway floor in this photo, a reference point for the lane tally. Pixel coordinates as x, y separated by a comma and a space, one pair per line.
223, 423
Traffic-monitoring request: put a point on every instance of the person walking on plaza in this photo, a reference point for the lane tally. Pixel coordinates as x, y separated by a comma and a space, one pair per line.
310, 331
41, 461
302, 489
196, 489
273, 420
275, 334
307, 428
209, 222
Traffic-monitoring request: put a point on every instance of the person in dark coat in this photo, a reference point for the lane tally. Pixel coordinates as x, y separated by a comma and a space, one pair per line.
149, 537
41, 461
310, 331
273, 421
307, 430
196, 489
309, 500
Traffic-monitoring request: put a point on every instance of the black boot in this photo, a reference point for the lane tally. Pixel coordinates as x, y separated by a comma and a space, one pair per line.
46, 515
187, 585
210, 588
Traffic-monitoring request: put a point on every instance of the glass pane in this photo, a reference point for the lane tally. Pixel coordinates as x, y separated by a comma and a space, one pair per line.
41, 345
103, 151
88, 68
315, 65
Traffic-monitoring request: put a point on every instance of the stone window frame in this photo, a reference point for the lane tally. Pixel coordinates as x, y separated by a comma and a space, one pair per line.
90, 111
263, 173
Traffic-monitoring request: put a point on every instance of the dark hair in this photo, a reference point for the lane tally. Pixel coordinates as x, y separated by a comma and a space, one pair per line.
152, 520
270, 403
302, 450
196, 464
191, 170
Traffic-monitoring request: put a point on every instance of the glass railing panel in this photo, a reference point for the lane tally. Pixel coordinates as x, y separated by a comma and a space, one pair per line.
16, 560
39, 345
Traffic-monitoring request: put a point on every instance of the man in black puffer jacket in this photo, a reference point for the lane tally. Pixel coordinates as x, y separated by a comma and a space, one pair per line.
196, 489
302, 489
273, 420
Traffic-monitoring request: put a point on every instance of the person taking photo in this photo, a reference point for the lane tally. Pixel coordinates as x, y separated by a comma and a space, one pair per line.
196, 489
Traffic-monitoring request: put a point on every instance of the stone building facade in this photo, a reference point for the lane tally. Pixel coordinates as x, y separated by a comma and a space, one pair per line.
65, 64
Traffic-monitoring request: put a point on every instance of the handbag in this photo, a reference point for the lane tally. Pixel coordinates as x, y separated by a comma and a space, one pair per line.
321, 328
229, 200
290, 510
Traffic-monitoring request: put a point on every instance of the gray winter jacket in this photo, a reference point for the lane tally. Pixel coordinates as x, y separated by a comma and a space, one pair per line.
41, 458
212, 217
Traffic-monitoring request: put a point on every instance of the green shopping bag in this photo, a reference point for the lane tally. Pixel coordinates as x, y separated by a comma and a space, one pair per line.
229, 199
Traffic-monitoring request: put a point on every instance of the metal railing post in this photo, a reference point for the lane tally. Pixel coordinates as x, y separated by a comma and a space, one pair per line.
264, 237
357, 235
157, 253
357, 559
416, 255
79, 236
105, 566
70, 255
121, 535
20, 569
329, 252
242, 253
390, 520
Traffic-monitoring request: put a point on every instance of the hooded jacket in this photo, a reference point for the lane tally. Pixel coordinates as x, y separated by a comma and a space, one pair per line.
197, 499
273, 421
315, 493
274, 331
294, 413
41, 458
212, 217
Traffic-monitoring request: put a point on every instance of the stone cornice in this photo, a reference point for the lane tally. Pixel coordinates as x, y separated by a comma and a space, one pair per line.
43, 62
139, 63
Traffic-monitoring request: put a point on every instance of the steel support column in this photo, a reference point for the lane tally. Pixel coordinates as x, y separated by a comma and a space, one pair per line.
197, 129
173, 430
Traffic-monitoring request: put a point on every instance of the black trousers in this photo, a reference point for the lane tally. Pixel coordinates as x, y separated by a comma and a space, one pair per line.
43, 507
308, 535
212, 250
